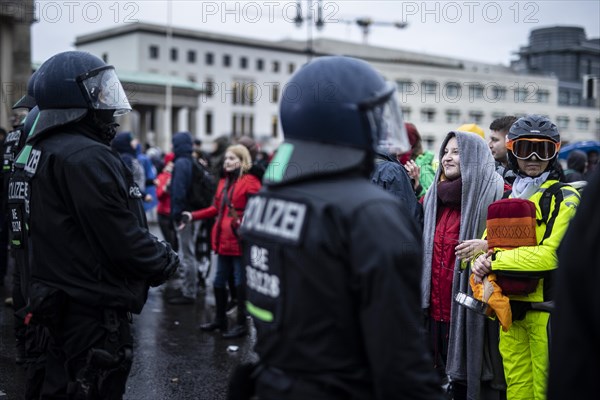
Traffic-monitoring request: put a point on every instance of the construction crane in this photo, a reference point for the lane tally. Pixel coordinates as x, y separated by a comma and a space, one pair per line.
363, 23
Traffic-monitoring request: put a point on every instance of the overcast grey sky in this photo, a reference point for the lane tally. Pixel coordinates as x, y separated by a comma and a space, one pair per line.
488, 31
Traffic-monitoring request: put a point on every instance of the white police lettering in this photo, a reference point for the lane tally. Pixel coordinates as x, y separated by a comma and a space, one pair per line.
257, 276
15, 221
17, 190
275, 217
13, 136
135, 192
32, 161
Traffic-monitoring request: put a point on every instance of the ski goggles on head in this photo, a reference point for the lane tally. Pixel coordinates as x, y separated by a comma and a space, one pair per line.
544, 149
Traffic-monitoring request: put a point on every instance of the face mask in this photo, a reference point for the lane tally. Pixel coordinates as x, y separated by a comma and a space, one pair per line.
105, 122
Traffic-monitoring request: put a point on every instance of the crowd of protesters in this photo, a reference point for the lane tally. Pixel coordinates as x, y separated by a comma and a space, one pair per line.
489, 214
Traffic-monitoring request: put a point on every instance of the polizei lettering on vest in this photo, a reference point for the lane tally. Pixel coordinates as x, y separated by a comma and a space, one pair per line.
17, 190
13, 136
275, 217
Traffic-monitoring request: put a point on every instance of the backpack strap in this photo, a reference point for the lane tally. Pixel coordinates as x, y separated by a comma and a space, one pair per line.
555, 190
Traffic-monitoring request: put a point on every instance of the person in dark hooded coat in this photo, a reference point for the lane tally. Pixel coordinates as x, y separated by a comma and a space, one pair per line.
576, 165
390, 175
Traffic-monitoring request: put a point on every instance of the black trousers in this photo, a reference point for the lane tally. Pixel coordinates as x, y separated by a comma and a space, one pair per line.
81, 332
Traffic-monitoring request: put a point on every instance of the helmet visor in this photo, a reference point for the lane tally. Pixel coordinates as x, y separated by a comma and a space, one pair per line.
544, 149
104, 90
387, 126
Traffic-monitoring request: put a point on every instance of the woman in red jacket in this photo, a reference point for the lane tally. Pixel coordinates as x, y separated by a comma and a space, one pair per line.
228, 208
162, 182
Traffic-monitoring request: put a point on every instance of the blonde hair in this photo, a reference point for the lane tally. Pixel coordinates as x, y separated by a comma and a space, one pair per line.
243, 154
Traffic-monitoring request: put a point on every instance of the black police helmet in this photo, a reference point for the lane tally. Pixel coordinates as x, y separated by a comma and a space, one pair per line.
69, 84
56, 86
27, 101
336, 112
532, 126
31, 120
330, 100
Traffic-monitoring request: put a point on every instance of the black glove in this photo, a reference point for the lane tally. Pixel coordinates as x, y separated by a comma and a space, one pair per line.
169, 269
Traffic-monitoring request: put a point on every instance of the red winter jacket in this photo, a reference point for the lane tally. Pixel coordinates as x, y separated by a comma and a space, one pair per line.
162, 193
224, 241
447, 229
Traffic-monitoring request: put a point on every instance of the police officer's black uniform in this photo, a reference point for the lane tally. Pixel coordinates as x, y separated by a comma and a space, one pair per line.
93, 258
332, 261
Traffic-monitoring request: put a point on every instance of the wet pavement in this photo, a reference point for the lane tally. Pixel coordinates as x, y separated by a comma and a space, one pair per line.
173, 359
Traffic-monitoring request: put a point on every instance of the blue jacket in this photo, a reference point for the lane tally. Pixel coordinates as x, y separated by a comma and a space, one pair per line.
181, 179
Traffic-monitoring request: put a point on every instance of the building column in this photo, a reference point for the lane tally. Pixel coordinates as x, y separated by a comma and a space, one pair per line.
192, 121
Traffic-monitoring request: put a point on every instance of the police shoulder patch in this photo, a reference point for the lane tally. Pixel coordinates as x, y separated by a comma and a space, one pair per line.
275, 218
32, 161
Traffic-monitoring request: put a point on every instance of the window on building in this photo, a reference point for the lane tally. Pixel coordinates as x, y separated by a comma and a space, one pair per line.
208, 123
575, 98
476, 117
209, 87
274, 126
209, 58
429, 87
191, 56
260, 64
192, 78
453, 116
250, 93
497, 114
498, 93
562, 122
244, 93
404, 85
563, 97
243, 62
226, 60
291, 68
275, 93
453, 91
428, 115
105, 57
475, 91
174, 54
429, 142
275, 66
582, 123
153, 52
242, 124
406, 113
543, 96
236, 93
521, 95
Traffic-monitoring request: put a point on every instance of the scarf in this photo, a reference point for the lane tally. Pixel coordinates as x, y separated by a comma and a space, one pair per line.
473, 354
524, 186
450, 192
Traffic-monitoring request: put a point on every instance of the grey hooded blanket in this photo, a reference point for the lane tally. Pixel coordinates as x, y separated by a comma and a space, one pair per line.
473, 354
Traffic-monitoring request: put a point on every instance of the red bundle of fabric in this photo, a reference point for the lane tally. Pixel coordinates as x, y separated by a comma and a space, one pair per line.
511, 223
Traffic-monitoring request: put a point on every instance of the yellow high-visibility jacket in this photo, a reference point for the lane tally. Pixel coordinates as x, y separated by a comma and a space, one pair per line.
541, 257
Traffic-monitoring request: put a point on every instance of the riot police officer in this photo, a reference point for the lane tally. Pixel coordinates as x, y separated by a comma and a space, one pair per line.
12, 145
93, 258
332, 261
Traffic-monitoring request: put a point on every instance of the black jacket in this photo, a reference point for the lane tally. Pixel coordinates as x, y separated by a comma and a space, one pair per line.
390, 175
88, 228
333, 278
